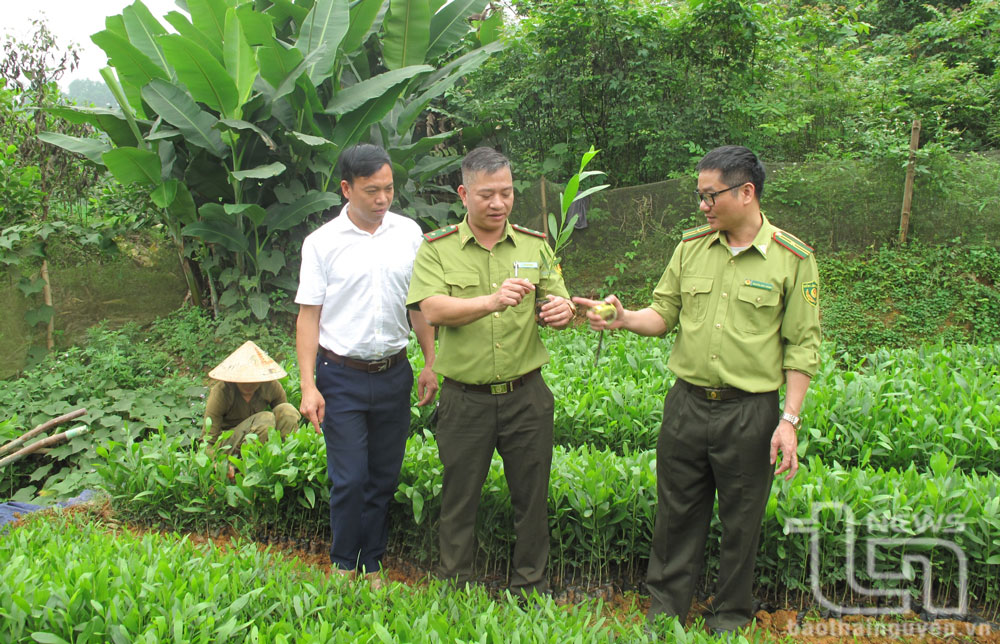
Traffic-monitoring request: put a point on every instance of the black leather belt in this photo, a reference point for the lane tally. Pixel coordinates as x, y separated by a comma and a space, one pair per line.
495, 388
369, 366
716, 393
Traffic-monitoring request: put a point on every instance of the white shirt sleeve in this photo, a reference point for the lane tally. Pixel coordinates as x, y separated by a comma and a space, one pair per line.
312, 276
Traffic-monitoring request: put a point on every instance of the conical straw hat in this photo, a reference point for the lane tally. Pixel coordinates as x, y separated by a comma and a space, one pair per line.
249, 363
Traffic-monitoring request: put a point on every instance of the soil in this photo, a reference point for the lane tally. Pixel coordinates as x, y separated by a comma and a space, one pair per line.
785, 625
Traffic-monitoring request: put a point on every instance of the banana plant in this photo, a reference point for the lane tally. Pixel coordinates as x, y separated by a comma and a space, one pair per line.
235, 117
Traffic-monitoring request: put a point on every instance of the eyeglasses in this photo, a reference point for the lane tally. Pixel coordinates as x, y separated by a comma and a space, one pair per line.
709, 197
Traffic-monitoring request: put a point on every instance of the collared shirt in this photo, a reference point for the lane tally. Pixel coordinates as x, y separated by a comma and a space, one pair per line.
360, 279
227, 407
743, 319
500, 346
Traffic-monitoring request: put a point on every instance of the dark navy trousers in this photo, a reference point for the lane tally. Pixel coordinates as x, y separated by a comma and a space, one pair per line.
365, 426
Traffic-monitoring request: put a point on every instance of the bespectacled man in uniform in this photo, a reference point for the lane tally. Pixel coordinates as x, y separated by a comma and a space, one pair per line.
744, 296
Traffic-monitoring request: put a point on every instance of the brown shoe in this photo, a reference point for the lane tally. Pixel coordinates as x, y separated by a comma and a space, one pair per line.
340, 572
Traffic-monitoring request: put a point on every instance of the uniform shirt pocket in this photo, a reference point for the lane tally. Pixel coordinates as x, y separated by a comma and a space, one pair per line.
758, 311
695, 293
462, 283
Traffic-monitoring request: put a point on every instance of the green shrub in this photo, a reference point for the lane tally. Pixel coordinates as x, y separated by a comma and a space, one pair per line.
601, 508
68, 579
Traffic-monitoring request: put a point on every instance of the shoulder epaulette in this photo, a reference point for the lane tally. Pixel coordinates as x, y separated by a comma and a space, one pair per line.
527, 231
696, 232
440, 233
793, 244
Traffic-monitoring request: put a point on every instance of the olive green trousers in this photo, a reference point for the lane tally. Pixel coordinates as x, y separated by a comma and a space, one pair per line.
518, 425
704, 447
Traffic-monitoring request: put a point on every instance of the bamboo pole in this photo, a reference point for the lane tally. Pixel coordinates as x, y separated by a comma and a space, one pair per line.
44, 427
45, 442
545, 210
904, 217
47, 295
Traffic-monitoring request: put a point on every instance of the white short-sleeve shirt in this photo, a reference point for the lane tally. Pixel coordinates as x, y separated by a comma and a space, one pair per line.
360, 279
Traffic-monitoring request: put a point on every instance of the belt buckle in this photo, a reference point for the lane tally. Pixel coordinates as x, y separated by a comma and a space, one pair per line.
378, 366
499, 388
713, 394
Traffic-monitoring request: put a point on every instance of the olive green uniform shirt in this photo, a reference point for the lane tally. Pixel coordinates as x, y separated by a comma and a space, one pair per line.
743, 320
500, 346
227, 407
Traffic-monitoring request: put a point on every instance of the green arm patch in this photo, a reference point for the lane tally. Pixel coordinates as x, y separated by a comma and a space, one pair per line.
440, 233
696, 233
528, 231
810, 291
793, 244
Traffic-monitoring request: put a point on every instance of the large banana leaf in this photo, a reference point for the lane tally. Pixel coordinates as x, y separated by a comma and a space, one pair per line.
355, 96
286, 9
132, 165
182, 209
260, 172
439, 82
111, 122
131, 63
143, 29
204, 76
240, 62
352, 126
216, 227
258, 27
407, 33
285, 216
323, 30
252, 211
313, 141
449, 25
236, 124
90, 148
363, 15
292, 80
491, 28
179, 109
184, 27
400, 154
209, 16
277, 64
165, 193
168, 157
429, 167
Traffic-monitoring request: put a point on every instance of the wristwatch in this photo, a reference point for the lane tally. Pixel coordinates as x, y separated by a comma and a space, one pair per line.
795, 421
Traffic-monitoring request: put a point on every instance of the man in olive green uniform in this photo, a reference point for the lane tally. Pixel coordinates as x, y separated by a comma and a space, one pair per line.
479, 282
744, 296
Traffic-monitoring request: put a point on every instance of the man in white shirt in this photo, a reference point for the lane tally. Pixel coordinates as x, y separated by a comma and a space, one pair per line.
351, 338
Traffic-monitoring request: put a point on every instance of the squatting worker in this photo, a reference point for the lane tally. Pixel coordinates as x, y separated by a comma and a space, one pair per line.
247, 399
744, 295
351, 338
479, 282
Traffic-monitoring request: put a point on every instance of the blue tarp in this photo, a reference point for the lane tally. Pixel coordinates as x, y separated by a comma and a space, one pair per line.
8, 510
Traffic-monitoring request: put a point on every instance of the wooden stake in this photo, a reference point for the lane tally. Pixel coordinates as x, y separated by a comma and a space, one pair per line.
545, 211
44, 427
47, 295
45, 442
904, 218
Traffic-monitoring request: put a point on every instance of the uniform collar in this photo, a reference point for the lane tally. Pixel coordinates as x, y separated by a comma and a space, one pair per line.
761, 241
466, 235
